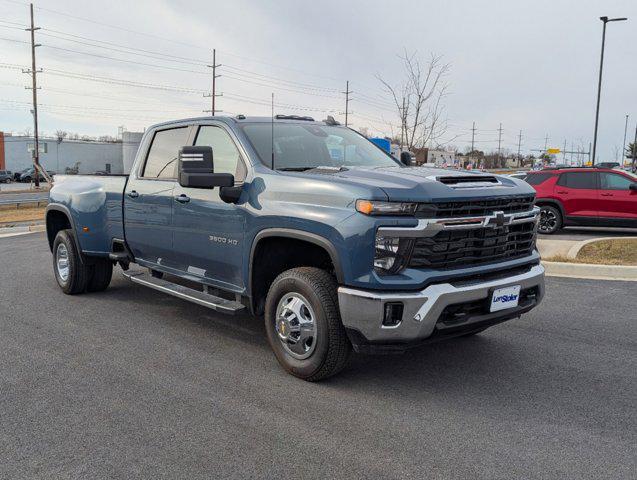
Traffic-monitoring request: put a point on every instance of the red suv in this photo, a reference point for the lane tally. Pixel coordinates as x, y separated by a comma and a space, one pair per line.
585, 197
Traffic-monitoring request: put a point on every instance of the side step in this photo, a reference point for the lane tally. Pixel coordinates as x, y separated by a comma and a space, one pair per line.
185, 293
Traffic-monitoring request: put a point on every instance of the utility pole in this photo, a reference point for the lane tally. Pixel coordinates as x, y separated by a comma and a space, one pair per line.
624, 144
634, 150
564, 152
214, 94
519, 148
34, 87
402, 124
347, 93
499, 140
546, 142
473, 138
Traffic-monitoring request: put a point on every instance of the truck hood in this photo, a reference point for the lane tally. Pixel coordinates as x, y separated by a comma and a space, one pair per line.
419, 184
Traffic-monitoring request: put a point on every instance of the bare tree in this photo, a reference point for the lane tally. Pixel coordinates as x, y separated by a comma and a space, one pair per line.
61, 135
364, 131
616, 152
418, 100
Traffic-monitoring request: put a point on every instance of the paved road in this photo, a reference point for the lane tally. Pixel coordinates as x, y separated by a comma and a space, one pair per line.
131, 383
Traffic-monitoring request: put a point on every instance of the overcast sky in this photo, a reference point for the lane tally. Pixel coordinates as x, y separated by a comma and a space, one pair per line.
531, 65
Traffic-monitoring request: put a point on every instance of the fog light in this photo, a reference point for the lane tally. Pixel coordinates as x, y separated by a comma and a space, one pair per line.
393, 314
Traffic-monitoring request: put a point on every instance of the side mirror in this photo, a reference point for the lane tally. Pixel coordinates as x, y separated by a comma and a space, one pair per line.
633, 187
405, 158
196, 169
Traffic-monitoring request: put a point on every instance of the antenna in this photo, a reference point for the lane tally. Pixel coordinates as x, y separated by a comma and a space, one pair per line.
272, 123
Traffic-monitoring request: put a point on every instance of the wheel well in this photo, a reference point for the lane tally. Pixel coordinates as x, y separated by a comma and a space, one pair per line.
55, 221
274, 255
551, 203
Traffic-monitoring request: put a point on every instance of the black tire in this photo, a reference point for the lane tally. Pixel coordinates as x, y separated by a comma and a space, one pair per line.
100, 276
332, 347
550, 219
74, 280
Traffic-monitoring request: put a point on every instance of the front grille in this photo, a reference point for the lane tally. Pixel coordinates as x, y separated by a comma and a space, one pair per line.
450, 249
475, 207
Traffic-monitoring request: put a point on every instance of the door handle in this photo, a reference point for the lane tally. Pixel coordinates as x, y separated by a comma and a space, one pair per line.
606, 194
133, 194
562, 192
183, 198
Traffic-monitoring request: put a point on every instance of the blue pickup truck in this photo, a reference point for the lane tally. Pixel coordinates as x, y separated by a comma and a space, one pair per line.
335, 243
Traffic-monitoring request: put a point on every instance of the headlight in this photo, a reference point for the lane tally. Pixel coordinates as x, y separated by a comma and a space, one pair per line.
392, 254
373, 207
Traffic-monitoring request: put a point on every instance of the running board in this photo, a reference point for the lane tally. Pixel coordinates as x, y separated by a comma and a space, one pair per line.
185, 293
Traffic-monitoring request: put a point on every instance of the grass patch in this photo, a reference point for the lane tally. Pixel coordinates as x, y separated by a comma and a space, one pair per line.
618, 251
22, 214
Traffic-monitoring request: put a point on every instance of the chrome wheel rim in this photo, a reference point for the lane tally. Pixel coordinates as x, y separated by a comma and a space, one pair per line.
62, 262
548, 221
296, 325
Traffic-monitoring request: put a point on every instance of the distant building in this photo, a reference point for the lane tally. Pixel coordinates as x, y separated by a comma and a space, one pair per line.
58, 155
429, 156
442, 157
130, 144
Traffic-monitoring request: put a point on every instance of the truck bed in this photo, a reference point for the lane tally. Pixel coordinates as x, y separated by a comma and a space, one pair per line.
94, 202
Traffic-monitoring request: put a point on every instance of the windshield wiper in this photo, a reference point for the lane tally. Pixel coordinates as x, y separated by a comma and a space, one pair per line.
295, 169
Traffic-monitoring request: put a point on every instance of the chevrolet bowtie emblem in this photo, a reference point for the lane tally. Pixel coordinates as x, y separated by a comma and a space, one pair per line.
499, 219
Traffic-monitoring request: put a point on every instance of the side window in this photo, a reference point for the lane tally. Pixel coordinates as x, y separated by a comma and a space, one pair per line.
581, 180
614, 181
226, 156
162, 155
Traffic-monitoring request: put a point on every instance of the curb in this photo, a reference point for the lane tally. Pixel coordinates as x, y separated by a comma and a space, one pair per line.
574, 250
4, 231
591, 271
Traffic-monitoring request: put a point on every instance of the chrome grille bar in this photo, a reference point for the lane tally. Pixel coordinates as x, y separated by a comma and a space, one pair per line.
429, 227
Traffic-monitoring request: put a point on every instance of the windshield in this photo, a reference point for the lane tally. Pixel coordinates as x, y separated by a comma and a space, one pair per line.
303, 147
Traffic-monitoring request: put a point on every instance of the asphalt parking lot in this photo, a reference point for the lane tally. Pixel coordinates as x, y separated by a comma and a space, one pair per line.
130, 383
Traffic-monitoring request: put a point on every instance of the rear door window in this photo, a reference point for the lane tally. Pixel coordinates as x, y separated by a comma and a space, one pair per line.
578, 180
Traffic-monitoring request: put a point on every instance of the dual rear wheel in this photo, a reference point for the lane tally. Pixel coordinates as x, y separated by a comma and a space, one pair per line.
75, 274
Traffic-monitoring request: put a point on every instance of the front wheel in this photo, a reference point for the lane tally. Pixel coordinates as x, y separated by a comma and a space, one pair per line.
304, 326
550, 219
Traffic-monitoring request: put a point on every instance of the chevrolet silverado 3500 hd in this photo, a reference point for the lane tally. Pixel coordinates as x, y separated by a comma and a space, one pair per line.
308, 224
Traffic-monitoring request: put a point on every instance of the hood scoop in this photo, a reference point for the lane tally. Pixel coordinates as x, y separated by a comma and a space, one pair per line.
469, 181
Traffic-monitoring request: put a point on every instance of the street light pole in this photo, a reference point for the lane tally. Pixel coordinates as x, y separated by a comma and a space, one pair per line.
605, 20
624, 144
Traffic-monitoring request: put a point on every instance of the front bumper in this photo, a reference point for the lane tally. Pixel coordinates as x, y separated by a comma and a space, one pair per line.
439, 311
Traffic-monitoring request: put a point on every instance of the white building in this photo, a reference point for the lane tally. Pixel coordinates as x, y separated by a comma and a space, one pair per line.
58, 155
441, 157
